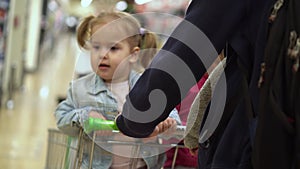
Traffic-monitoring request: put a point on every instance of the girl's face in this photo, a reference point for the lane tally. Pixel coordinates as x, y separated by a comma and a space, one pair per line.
111, 56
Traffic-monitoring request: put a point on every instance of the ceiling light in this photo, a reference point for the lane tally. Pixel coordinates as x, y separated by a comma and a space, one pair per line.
86, 3
121, 5
141, 2
52, 5
71, 21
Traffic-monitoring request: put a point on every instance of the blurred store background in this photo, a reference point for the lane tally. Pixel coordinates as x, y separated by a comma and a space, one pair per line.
38, 59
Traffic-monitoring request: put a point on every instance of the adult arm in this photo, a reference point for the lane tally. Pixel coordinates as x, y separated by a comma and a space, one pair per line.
195, 43
199, 106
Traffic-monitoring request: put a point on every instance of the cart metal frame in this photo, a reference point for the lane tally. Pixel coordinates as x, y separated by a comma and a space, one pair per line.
66, 152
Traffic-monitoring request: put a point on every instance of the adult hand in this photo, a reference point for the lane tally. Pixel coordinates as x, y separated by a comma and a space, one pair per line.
163, 126
194, 151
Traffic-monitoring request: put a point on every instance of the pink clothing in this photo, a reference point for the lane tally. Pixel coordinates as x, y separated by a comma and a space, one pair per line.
185, 105
184, 158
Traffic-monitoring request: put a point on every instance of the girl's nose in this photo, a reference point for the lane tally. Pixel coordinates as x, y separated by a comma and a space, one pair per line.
103, 52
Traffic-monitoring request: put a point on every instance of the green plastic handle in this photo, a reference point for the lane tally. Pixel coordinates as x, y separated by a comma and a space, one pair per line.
93, 124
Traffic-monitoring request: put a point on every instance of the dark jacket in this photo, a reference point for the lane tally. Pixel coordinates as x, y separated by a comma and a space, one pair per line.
242, 25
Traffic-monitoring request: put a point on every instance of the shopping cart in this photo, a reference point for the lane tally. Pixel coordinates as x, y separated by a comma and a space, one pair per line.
66, 152
62, 150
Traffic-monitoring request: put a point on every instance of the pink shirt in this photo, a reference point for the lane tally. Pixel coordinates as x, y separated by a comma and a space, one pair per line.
184, 158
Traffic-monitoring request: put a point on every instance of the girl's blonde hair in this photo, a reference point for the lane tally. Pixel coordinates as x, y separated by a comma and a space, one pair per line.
146, 40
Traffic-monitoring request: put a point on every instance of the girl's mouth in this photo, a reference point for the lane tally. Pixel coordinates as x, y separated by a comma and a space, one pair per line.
103, 66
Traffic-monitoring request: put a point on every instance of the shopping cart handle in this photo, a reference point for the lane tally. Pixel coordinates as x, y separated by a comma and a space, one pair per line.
178, 133
93, 124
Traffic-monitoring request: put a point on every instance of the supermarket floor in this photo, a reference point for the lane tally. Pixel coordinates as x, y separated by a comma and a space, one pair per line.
24, 129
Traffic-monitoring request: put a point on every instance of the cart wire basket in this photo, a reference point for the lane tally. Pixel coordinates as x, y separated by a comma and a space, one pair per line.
65, 152
62, 150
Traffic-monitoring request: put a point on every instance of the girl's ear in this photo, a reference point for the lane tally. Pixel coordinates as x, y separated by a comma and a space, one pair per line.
134, 55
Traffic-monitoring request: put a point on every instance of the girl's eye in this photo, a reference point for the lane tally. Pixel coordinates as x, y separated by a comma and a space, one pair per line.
114, 48
96, 47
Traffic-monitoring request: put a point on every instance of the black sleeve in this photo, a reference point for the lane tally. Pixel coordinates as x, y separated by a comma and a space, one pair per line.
191, 48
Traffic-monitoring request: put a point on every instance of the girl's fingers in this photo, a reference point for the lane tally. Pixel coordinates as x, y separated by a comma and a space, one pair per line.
96, 115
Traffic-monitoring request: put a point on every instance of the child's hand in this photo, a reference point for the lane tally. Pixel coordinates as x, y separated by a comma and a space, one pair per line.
95, 114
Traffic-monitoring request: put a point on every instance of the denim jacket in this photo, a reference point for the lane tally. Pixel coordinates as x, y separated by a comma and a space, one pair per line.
90, 93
